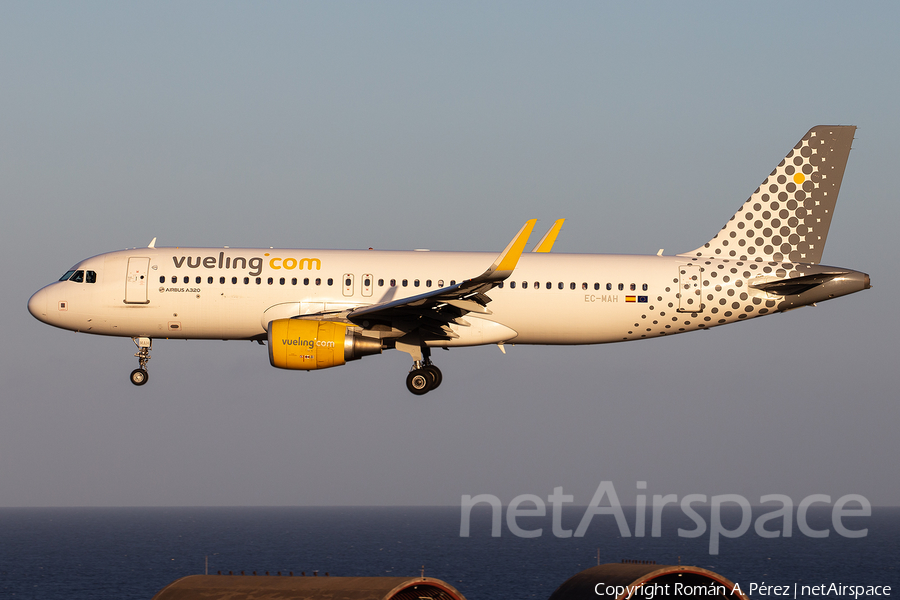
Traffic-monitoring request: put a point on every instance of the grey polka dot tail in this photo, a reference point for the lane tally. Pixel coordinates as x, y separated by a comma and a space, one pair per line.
767, 257
788, 216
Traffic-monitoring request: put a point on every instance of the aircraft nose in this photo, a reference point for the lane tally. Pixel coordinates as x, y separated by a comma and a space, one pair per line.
37, 305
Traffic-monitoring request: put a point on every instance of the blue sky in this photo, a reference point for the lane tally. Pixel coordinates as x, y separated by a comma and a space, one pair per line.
446, 126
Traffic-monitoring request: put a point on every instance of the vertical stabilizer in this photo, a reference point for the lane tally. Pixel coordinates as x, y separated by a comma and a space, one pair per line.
788, 216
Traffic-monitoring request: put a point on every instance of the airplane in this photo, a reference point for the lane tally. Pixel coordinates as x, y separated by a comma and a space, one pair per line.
317, 309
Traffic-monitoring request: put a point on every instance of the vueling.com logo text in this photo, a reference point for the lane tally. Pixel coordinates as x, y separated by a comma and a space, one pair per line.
308, 343
240, 262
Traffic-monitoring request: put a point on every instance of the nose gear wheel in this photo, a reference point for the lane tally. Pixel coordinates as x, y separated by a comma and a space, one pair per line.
139, 377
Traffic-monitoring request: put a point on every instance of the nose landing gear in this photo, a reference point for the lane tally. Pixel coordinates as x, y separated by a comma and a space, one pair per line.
139, 376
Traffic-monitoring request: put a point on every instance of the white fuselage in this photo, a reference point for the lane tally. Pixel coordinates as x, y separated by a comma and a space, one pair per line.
233, 293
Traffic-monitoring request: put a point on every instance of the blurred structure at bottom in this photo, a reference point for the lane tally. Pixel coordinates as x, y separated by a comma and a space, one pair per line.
632, 580
646, 580
247, 587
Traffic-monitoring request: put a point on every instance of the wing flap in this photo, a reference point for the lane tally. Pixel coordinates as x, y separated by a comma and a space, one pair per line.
469, 306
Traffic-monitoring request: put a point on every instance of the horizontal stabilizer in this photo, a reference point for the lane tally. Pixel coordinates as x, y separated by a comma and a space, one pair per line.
796, 285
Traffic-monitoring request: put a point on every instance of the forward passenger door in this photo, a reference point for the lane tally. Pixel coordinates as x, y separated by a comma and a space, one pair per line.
136, 280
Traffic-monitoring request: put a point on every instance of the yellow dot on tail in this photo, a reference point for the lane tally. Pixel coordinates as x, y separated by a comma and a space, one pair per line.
799, 178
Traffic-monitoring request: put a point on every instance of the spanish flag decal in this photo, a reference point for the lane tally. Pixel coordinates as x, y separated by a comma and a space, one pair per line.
630, 298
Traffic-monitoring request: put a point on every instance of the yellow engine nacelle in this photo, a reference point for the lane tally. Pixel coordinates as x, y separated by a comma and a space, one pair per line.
307, 345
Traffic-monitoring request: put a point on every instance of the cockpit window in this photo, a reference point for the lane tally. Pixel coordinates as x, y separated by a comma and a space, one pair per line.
90, 277
78, 277
67, 276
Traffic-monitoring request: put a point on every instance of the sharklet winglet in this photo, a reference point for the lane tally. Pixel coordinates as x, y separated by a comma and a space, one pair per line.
505, 263
546, 243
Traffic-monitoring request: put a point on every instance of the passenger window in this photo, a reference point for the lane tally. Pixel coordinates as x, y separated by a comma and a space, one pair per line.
550, 285
584, 286
572, 286
246, 280
366, 282
330, 281
608, 286
452, 282
632, 287
440, 283
524, 285
405, 283
596, 286
234, 280
500, 285
428, 283
381, 283
270, 281
348, 282
162, 278
174, 279
293, 281
221, 280
306, 281
393, 283
209, 280
560, 285
187, 279
621, 286
512, 285
537, 285
416, 283
281, 281
197, 279
318, 281
644, 287
258, 280
90, 277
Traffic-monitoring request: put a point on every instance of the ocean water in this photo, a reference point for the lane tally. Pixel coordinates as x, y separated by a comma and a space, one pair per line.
132, 553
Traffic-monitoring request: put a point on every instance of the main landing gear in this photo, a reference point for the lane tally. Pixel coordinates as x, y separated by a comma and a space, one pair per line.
423, 377
139, 375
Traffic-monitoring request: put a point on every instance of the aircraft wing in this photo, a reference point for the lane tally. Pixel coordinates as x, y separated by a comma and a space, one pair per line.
432, 313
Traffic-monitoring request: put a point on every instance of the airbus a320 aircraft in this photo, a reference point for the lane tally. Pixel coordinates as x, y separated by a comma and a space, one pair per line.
321, 308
